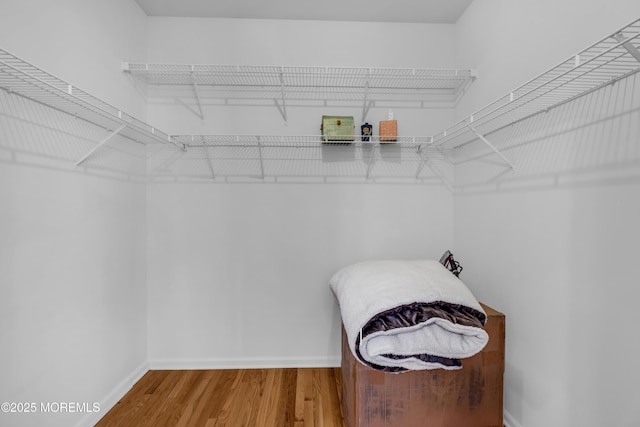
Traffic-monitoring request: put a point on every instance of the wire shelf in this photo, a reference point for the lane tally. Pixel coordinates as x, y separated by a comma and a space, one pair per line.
291, 141
611, 59
17, 76
278, 157
261, 82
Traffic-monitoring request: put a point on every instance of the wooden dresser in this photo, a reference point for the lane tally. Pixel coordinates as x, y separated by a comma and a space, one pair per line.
469, 397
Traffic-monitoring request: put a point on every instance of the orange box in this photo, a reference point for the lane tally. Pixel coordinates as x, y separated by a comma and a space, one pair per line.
388, 130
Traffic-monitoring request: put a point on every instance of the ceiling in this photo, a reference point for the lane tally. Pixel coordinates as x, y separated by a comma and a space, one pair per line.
416, 11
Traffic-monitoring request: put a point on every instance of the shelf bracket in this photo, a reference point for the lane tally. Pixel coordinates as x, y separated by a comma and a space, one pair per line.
167, 163
206, 154
100, 144
365, 110
372, 158
261, 159
495, 150
282, 108
366, 105
423, 159
627, 45
421, 166
197, 92
440, 175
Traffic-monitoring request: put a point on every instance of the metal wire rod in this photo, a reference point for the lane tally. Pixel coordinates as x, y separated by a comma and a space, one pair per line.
283, 110
365, 102
100, 144
483, 139
372, 159
197, 92
627, 45
261, 158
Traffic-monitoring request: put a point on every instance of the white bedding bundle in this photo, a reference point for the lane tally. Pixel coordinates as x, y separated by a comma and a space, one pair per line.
367, 289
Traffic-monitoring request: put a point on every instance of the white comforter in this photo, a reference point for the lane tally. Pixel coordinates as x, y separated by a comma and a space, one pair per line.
369, 288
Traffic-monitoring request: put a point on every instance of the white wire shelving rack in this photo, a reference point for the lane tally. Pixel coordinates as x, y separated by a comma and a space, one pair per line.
306, 158
285, 84
422, 158
605, 62
19, 77
613, 58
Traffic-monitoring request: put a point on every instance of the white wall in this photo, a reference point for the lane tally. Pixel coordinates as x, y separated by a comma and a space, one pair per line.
554, 244
292, 43
72, 246
238, 273
301, 43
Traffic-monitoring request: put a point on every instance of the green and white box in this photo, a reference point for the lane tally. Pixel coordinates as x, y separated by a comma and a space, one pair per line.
337, 128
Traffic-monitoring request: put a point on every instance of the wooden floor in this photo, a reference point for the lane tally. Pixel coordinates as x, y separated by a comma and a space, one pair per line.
232, 398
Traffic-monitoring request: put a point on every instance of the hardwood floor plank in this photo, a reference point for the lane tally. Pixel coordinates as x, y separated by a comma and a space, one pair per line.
309, 390
202, 401
195, 400
300, 395
187, 414
231, 398
309, 418
241, 405
217, 392
331, 399
266, 414
286, 403
318, 411
258, 390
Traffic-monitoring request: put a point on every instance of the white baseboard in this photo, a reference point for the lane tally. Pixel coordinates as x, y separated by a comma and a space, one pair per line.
116, 394
509, 421
245, 363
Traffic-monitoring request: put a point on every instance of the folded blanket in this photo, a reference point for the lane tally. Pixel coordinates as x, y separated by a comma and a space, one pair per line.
408, 315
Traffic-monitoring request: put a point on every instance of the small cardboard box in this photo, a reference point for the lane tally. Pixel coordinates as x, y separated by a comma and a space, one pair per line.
388, 130
469, 397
